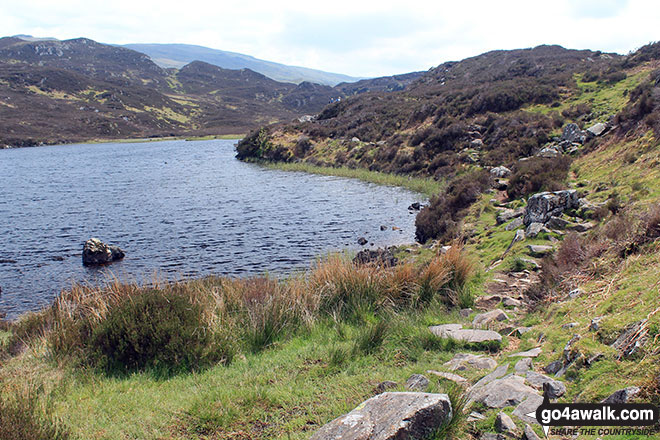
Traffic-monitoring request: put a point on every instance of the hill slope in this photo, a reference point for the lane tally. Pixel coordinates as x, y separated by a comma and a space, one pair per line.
178, 55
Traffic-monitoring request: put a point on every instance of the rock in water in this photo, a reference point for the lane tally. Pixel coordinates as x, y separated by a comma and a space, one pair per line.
96, 252
390, 416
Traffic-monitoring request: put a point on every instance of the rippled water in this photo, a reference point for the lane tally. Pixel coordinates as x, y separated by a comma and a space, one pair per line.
177, 208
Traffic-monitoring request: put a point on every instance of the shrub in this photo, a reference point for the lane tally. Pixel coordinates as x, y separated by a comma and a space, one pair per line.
441, 219
154, 330
538, 174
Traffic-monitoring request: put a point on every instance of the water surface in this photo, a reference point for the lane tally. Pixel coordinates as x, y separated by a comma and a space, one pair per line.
182, 209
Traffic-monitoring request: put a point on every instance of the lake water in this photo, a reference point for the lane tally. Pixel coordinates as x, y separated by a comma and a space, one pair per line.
181, 209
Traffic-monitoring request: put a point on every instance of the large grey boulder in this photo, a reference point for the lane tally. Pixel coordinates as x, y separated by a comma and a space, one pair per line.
456, 331
390, 416
542, 206
597, 129
96, 252
572, 133
500, 172
500, 393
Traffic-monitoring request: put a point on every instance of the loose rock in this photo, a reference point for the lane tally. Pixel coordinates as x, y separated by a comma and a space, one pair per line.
449, 376
529, 434
500, 393
417, 382
464, 361
384, 386
534, 352
537, 250
523, 366
483, 319
390, 416
555, 388
503, 423
622, 396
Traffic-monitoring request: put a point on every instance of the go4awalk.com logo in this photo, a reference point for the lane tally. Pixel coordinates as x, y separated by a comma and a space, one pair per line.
569, 419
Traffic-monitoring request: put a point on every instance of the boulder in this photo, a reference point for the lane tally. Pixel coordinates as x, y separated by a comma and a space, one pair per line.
550, 151
556, 388
572, 133
417, 382
504, 424
362, 241
384, 386
507, 214
537, 250
464, 361
553, 367
597, 129
622, 396
456, 331
500, 393
500, 172
528, 405
378, 257
465, 312
496, 374
523, 366
96, 252
542, 206
529, 434
557, 223
483, 319
534, 229
515, 224
390, 416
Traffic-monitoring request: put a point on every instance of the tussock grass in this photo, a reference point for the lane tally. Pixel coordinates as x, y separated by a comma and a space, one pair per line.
306, 349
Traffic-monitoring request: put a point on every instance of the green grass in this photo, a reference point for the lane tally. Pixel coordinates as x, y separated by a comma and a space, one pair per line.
604, 99
286, 392
425, 186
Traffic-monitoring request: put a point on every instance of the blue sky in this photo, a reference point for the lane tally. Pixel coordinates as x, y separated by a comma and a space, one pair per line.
360, 38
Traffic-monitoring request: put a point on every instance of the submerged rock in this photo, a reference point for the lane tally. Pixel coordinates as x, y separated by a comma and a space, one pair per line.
390, 416
96, 252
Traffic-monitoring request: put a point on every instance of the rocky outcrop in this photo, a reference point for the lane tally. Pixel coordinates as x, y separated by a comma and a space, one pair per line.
390, 416
542, 206
95, 252
500, 172
573, 134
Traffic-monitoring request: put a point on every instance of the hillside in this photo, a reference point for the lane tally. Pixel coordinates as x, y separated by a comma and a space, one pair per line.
178, 55
537, 268
55, 91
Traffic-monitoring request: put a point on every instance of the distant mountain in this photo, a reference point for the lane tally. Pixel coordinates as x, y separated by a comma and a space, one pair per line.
178, 55
58, 91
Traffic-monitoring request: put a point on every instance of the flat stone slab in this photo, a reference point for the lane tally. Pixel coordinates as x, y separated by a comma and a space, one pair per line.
500, 393
465, 361
538, 250
456, 331
449, 376
390, 416
499, 372
523, 366
534, 352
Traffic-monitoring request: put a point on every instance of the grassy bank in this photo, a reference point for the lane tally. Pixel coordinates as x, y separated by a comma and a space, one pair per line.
286, 356
426, 186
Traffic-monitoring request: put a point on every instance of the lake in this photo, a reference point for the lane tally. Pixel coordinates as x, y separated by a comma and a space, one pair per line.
177, 208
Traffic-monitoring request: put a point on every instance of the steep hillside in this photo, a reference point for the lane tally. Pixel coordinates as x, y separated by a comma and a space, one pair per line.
178, 55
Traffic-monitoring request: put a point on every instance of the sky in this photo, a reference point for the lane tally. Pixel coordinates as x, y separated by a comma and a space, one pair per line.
358, 38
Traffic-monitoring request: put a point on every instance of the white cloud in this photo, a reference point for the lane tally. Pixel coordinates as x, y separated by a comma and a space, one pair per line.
362, 38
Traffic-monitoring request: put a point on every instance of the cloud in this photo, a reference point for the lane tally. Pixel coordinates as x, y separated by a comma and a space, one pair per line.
361, 38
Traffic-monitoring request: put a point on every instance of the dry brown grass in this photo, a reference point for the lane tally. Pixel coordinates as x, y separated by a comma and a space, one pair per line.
257, 311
